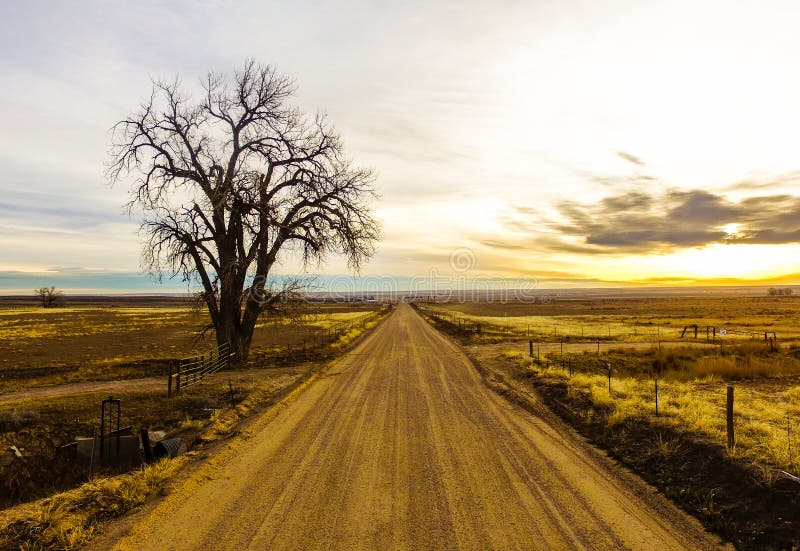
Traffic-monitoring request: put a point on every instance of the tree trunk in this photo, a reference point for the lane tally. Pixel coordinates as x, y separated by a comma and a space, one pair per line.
228, 327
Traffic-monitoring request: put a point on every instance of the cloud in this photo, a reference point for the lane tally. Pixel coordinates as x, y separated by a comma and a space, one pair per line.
782, 181
630, 158
636, 221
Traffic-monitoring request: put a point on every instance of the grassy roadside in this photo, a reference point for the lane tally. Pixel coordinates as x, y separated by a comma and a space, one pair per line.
736, 494
68, 520
681, 452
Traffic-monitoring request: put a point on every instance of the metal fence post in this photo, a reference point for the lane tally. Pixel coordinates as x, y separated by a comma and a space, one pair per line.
148, 451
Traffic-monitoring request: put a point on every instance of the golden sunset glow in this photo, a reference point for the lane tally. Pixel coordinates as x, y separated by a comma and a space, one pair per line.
598, 143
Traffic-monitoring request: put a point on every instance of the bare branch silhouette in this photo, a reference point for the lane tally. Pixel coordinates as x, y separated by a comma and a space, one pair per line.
228, 184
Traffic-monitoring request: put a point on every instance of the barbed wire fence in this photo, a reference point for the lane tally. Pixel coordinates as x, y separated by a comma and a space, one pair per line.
557, 355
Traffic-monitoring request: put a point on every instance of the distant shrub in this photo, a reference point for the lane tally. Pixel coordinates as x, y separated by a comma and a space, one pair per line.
775, 292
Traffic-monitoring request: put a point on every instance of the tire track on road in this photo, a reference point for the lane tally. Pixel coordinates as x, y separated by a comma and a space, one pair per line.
401, 445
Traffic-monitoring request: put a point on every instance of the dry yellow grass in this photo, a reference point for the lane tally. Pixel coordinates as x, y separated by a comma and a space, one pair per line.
747, 366
52, 346
762, 415
361, 324
68, 520
634, 318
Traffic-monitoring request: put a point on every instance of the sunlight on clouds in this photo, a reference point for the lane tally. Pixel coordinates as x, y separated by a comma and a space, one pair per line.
716, 261
731, 230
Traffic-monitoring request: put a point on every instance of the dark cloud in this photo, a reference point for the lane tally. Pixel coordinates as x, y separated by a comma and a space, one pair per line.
639, 222
646, 222
630, 158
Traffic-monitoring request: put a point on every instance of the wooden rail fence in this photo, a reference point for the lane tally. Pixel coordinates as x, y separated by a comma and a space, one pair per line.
191, 371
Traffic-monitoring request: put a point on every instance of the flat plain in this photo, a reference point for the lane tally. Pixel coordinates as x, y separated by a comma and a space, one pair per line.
400, 445
58, 364
394, 436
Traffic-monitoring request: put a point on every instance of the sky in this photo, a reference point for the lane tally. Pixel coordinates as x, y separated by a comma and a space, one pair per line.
558, 143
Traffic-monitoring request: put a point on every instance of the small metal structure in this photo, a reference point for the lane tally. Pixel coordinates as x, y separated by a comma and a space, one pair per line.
144, 435
111, 402
170, 448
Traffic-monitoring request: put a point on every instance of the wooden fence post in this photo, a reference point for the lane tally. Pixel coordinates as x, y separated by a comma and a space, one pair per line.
169, 381
729, 419
530, 348
609, 378
656, 381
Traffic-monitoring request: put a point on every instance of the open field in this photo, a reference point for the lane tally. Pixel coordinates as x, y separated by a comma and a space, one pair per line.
406, 373
56, 366
636, 317
126, 339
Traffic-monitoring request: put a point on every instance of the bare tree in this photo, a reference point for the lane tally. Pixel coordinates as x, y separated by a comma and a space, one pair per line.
49, 297
231, 183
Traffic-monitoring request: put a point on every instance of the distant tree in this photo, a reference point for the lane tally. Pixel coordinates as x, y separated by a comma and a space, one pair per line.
49, 297
233, 182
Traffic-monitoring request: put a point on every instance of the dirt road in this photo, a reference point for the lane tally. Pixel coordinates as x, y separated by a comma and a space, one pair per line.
69, 389
400, 445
